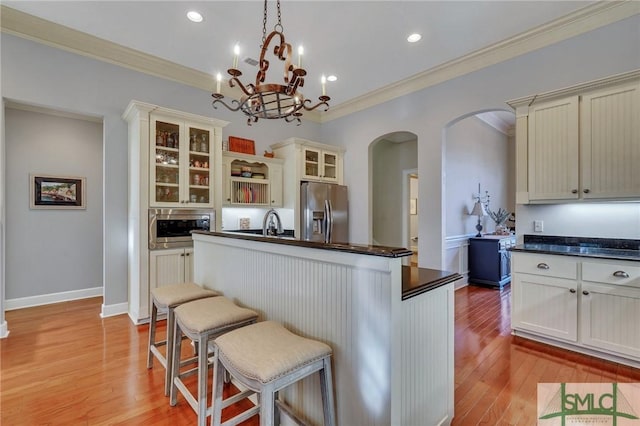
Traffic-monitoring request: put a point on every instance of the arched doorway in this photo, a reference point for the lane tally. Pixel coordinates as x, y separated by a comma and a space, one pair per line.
390, 156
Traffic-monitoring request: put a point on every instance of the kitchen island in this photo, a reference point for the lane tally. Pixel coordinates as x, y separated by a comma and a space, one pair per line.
392, 340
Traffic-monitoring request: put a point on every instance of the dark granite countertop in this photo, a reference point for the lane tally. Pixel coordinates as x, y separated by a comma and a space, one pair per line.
416, 280
371, 250
602, 248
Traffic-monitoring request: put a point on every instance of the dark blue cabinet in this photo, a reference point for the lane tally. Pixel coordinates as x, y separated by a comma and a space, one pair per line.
490, 261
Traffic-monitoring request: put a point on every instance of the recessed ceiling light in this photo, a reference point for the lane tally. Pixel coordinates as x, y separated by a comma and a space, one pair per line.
414, 37
194, 16
332, 78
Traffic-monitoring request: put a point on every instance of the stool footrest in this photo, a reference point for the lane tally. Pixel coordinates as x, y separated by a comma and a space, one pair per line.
284, 408
159, 355
187, 394
237, 397
242, 417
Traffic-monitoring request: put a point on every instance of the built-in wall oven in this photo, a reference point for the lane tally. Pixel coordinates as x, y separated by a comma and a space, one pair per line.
171, 228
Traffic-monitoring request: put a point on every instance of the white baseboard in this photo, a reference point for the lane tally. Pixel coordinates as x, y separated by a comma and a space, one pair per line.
4, 331
46, 299
113, 310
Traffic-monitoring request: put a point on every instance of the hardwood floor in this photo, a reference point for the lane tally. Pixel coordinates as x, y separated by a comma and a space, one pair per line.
64, 365
496, 374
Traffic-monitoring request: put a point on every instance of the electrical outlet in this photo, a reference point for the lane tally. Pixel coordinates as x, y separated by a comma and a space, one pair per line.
538, 226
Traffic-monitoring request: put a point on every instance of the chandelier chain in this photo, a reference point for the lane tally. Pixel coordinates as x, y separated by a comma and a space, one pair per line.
264, 24
271, 100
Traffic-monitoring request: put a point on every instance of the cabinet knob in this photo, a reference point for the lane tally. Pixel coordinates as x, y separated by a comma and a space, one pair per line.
620, 274
586, 191
181, 254
543, 266
585, 292
188, 254
572, 290
574, 191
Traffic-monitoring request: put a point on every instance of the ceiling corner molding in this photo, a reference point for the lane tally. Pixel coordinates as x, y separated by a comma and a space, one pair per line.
571, 25
586, 19
494, 120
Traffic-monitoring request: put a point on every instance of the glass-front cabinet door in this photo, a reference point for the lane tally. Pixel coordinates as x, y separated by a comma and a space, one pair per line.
180, 172
199, 179
329, 166
320, 165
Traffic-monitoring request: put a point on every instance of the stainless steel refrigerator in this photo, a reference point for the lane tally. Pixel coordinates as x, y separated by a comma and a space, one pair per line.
324, 212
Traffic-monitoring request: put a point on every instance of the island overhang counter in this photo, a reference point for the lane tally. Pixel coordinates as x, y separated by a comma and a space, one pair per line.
392, 358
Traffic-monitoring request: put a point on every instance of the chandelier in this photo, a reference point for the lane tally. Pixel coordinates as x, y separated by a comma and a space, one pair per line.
271, 100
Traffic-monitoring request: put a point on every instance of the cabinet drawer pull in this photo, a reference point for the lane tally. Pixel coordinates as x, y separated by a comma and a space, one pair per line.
543, 266
585, 292
620, 274
188, 254
586, 191
574, 191
181, 254
572, 290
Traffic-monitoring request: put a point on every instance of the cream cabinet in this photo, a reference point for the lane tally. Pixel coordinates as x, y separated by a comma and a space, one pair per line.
320, 164
170, 266
165, 169
580, 143
544, 295
248, 180
590, 304
181, 163
553, 150
610, 307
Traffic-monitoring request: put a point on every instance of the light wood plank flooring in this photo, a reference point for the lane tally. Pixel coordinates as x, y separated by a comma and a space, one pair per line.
64, 365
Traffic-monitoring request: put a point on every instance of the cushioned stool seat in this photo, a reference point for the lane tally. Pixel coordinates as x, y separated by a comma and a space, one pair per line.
266, 357
166, 298
201, 321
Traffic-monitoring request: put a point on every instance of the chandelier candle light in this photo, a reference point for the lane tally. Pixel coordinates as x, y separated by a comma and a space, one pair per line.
271, 100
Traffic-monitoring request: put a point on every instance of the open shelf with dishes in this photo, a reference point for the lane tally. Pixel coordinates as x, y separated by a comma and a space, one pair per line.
251, 180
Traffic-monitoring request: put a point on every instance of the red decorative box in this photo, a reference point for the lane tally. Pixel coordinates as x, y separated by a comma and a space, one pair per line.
245, 146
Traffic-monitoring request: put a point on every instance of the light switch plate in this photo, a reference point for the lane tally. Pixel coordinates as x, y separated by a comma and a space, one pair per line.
538, 226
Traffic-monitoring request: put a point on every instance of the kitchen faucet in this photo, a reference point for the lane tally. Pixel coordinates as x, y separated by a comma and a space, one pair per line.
271, 228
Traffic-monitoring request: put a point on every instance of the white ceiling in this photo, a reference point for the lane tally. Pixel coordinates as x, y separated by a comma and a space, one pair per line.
362, 42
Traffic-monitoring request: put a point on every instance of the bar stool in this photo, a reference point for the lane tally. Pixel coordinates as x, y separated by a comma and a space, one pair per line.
266, 357
201, 321
167, 298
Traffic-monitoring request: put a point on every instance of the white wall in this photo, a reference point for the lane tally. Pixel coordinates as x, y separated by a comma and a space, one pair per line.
605, 51
605, 220
35, 74
475, 153
389, 160
52, 251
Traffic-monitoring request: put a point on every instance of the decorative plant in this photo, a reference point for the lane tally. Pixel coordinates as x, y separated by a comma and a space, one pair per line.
500, 216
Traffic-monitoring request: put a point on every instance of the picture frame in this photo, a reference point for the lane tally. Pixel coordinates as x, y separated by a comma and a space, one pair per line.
57, 192
413, 206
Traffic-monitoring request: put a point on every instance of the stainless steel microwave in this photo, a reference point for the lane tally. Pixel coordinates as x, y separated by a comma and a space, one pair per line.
171, 228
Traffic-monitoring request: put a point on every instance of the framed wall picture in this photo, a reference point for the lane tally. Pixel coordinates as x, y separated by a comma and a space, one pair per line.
56, 192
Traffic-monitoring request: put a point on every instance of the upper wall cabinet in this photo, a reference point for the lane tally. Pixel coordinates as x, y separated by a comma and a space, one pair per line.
181, 158
320, 164
173, 154
580, 143
248, 180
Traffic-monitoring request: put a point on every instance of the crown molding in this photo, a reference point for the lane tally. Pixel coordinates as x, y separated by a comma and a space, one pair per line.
579, 22
577, 89
584, 20
30, 27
